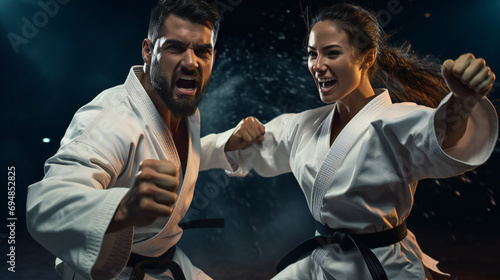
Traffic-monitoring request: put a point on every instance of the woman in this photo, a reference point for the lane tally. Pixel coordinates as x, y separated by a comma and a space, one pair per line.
358, 159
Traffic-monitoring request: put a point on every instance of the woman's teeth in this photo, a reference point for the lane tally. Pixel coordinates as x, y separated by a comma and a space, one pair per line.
326, 83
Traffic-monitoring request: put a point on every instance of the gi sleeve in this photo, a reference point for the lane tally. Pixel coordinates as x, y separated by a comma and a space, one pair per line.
419, 134
269, 158
69, 211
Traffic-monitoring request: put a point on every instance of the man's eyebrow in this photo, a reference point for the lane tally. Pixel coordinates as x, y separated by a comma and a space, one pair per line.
204, 46
173, 41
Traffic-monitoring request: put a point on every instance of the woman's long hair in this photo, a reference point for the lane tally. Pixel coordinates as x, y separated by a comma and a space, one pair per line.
408, 77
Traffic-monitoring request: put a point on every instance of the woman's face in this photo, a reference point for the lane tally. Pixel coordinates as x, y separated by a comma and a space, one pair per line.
333, 62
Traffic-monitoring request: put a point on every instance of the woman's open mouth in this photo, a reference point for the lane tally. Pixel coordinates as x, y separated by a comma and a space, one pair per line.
326, 84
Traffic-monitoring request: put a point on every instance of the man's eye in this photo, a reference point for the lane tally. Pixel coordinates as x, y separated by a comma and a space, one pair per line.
204, 51
174, 47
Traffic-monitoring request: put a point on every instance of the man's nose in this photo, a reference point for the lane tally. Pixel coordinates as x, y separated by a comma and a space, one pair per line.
189, 60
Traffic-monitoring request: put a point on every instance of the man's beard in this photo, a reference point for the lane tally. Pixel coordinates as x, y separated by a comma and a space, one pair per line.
184, 105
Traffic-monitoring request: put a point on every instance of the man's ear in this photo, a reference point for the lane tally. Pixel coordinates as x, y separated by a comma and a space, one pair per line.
147, 49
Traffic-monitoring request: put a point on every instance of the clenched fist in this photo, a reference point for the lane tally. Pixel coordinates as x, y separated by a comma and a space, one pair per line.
247, 132
152, 195
468, 76
470, 79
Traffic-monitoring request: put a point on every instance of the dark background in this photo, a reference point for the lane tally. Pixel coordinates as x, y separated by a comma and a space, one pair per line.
260, 70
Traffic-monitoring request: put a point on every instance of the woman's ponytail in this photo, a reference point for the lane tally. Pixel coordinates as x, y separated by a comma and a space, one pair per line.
408, 77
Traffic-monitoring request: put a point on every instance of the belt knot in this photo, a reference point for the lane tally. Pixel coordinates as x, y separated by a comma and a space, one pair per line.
342, 239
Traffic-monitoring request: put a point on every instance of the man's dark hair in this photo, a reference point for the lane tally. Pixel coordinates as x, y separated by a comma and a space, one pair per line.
196, 11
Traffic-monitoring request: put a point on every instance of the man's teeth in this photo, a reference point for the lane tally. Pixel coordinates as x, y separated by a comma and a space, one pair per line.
186, 83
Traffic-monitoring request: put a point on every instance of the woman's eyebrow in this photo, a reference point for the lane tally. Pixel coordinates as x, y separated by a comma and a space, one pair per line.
327, 47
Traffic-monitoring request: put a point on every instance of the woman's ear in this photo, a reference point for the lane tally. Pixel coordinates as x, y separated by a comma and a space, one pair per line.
369, 60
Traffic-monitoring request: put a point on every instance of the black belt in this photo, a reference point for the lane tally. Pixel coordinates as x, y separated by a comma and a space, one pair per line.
362, 242
165, 261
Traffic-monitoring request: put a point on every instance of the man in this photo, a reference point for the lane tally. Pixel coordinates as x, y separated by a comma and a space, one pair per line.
125, 173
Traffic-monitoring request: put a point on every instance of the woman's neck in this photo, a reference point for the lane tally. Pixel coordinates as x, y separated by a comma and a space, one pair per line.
351, 104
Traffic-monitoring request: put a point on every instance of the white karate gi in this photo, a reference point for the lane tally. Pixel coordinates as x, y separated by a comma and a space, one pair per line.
366, 180
69, 211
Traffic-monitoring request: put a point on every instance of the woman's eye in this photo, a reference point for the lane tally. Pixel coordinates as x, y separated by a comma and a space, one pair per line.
311, 54
334, 53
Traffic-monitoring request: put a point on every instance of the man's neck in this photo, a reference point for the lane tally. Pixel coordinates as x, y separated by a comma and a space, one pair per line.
169, 119
176, 126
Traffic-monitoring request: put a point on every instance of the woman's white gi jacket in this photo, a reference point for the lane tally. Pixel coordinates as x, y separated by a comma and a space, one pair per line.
366, 180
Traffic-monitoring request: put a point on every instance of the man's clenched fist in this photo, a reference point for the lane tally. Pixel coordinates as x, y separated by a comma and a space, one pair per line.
152, 195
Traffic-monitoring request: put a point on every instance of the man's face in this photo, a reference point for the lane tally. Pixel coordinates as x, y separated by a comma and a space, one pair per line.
181, 64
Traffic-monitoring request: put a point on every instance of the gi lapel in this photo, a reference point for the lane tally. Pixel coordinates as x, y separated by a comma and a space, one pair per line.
337, 152
153, 118
188, 181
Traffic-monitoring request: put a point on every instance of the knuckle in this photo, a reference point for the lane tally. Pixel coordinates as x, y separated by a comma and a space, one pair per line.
147, 163
140, 176
145, 175
469, 55
145, 204
172, 184
169, 211
146, 189
456, 71
173, 169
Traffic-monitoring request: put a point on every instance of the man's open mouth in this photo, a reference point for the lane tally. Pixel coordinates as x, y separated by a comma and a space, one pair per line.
186, 83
